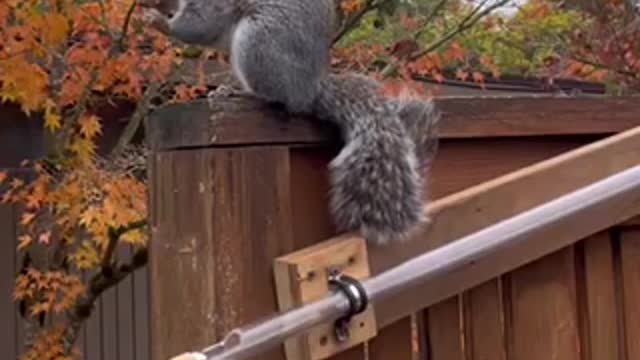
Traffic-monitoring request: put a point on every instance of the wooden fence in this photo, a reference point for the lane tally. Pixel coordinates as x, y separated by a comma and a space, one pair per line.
243, 188
233, 190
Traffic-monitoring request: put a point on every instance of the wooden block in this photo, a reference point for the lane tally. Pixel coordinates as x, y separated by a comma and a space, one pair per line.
302, 277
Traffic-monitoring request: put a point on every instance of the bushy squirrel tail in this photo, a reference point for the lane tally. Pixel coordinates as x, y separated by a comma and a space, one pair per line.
377, 179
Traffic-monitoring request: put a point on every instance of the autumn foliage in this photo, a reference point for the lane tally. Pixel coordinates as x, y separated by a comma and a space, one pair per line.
65, 60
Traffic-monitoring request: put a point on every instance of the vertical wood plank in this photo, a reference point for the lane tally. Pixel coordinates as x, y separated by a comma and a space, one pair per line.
93, 334
602, 339
109, 324
81, 341
141, 322
394, 342
446, 330
484, 322
221, 218
543, 310
19, 259
8, 313
125, 316
630, 268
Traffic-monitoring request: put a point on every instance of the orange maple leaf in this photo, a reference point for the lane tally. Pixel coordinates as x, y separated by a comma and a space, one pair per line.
24, 241
90, 126
351, 6
454, 52
27, 218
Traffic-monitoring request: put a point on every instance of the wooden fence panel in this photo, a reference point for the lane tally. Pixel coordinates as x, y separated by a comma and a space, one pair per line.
220, 218
471, 326
484, 321
444, 323
544, 320
601, 340
8, 313
630, 276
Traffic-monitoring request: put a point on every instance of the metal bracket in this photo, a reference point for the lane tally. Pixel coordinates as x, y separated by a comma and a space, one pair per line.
358, 301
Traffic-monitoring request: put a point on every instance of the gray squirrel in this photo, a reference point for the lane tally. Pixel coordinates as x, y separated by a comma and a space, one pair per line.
280, 53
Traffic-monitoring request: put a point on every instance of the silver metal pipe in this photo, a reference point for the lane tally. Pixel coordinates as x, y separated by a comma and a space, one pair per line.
439, 263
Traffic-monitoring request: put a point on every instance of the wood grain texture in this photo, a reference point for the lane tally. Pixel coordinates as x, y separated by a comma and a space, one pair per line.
93, 334
393, 342
249, 122
484, 322
109, 322
544, 322
124, 315
461, 164
630, 267
601, 324
536, 115
220, 218
8, 336
445, 325
141, 322
503, 197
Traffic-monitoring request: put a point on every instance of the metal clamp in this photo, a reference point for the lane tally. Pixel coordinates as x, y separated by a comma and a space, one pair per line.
358, 301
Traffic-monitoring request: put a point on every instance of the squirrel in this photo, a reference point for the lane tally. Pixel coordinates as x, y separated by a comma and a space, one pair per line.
280, 52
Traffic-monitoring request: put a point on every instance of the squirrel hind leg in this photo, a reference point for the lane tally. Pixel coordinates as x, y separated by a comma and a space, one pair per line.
286, 77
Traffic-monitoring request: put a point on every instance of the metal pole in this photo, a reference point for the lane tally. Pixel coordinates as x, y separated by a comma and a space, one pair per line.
439, 263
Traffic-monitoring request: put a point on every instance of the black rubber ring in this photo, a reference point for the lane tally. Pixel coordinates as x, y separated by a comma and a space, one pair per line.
364, 298
356, 306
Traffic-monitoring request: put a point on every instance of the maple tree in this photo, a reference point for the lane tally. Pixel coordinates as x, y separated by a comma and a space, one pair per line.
607, 47
549, 39
410, 40
65, 61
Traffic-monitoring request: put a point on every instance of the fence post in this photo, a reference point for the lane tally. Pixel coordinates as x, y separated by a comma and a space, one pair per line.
220, 214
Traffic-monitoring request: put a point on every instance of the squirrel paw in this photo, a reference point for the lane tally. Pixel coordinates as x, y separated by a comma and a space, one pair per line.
226, 91
222, 91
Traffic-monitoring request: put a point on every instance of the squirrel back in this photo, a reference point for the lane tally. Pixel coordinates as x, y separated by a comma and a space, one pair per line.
279, 50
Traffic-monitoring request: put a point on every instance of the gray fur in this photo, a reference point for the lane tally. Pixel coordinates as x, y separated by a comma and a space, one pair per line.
280, 52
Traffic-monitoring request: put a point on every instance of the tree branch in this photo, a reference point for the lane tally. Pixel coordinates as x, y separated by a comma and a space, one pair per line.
138, 115
81, 106
430, 17
468, 22
354, 20
125, 25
